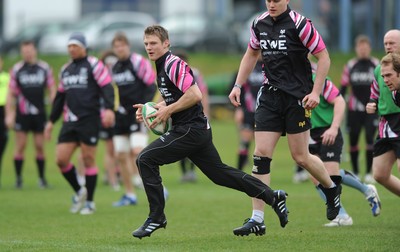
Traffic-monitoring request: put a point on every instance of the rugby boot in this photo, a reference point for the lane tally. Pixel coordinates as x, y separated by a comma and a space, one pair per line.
332, 197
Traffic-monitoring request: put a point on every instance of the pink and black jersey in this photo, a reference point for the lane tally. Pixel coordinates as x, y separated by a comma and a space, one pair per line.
135, 79
28, 83
285, 43
174, 78
82, 81
358, 74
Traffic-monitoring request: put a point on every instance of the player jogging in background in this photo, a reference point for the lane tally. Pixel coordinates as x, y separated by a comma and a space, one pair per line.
326, 141
358, 74
135, 78
25, 109
82, 81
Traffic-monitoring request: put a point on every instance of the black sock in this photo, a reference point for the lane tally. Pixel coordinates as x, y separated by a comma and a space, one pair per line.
18, 166
70, 176
354, 161
40, 165
242, 161
370, 156
90, 186
183, 165
191, 165
3, 143
243, 154
299, 168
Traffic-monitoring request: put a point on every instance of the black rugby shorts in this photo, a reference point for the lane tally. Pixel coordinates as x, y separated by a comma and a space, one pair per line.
278, 111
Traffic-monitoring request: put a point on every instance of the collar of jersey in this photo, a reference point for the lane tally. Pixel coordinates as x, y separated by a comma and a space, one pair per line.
283, 15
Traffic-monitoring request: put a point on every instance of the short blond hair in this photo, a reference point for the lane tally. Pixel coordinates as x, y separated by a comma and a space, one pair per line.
392, 59
158, 31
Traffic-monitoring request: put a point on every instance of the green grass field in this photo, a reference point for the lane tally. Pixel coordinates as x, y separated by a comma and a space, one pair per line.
200, 216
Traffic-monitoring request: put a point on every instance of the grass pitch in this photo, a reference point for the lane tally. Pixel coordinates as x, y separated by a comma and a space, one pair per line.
200, 216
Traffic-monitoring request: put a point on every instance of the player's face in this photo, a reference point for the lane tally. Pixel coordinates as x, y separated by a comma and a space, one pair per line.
155, 48
76, 52
390, 77
276, 7
28, 53
121, 49
391, 41
363, 50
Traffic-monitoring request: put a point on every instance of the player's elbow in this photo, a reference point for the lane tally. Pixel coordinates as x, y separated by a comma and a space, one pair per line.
197, 96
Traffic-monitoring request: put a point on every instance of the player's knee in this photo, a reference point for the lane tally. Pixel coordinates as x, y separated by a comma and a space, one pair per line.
262, 165
61, 163
302, 160
381, 177
141, 160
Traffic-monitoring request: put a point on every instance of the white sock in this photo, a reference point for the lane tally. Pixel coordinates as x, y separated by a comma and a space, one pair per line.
258, 216
333, 185
131, 196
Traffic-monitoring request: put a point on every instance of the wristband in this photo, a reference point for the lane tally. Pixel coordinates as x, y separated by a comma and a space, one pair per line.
237, 85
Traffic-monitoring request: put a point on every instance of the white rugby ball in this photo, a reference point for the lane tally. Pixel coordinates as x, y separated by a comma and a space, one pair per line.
149, 109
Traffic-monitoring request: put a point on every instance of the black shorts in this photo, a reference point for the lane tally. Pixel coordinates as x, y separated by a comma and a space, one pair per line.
34, 123
106, 133
383, 145
126, 124
248, 120
327, 153
278, 111
84, 131
356, 120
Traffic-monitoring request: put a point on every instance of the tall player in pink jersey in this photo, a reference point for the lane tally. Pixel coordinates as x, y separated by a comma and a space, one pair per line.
284, 103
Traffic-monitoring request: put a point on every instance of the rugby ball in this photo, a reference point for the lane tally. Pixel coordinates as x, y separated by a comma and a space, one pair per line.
147, 110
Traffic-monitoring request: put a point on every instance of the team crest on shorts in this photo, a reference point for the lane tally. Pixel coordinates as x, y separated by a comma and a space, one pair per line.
307, 113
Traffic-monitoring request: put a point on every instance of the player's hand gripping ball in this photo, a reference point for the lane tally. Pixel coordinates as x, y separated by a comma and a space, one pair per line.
147, 110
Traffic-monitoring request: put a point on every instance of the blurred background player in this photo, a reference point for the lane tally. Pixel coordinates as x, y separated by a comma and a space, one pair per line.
105, 134
387, 144
82, 81
4, 80
244, 115
135, 78
358, 74
25, 109
326, 141
187, 166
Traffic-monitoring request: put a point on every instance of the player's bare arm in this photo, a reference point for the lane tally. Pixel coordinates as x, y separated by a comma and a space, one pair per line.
339, 107
247, 65
311, 100
10, 110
